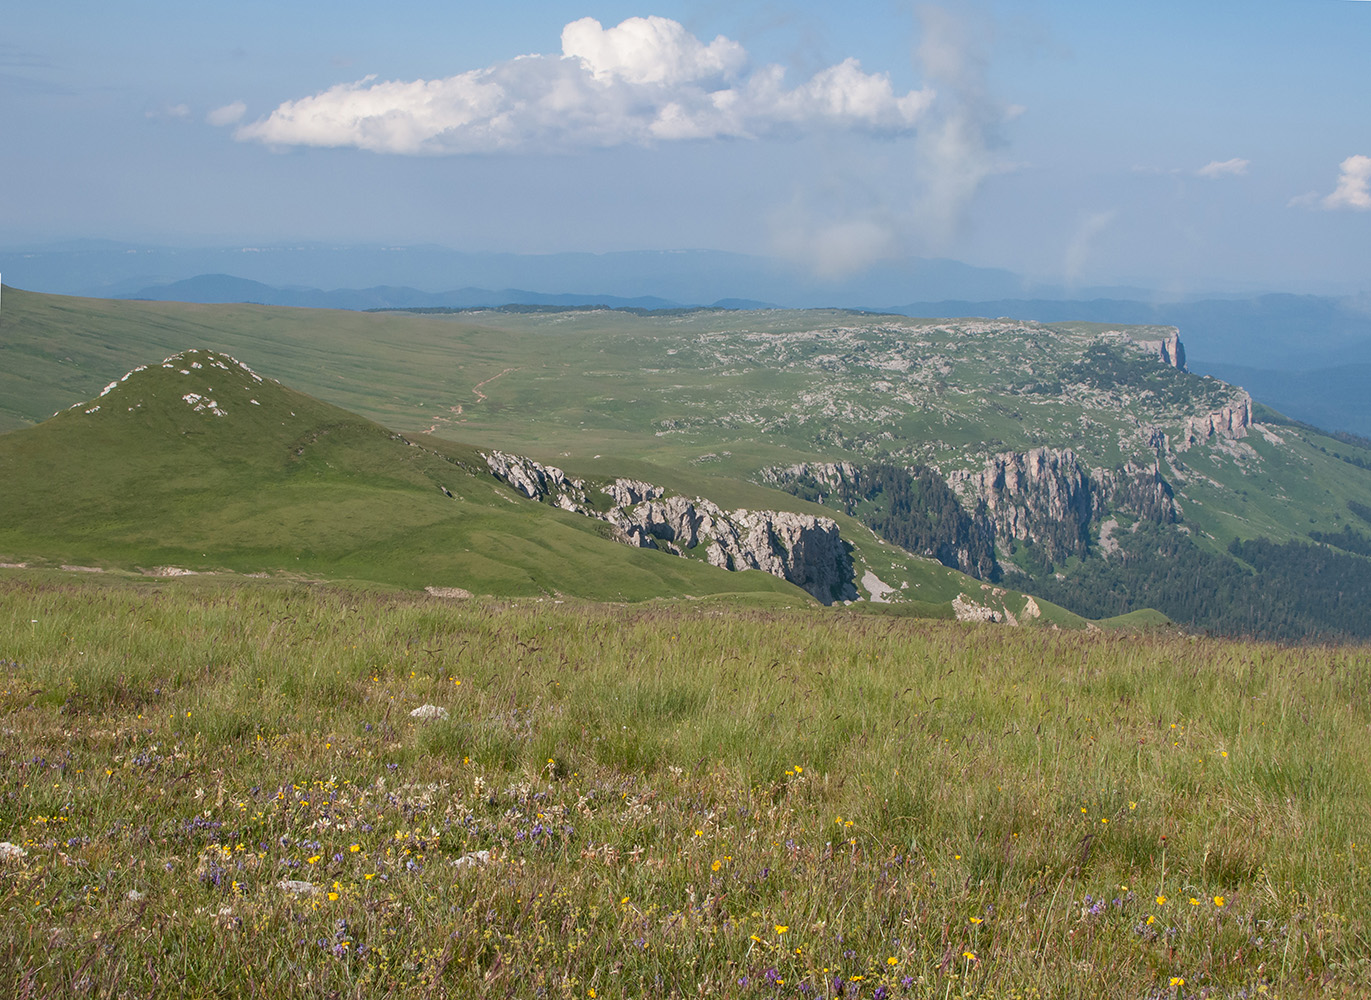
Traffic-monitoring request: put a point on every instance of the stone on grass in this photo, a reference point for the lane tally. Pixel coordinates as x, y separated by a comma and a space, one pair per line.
428, 712
295, 885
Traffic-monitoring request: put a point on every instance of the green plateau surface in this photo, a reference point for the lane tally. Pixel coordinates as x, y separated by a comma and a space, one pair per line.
702, 402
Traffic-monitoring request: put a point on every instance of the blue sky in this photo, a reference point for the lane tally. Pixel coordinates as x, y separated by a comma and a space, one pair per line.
1175, 146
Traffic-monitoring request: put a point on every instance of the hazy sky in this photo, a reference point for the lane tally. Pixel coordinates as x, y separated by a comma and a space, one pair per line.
1175, 145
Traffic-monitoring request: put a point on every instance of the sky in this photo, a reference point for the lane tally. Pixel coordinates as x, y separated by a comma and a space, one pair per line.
1174, 146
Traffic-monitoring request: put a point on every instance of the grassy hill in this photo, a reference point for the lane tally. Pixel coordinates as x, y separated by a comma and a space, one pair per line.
711, 403
198, 463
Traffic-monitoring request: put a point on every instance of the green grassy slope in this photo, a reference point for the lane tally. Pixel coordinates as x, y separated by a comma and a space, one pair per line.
702, 402
709, 393
150, 475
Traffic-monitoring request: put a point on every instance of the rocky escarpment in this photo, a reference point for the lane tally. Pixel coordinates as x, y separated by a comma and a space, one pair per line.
1043, 496
1169, 350
910, 506
1046, 496
805, 550
1230, 421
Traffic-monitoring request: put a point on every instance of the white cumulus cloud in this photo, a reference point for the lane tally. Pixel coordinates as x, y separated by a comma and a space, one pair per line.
228, 114
1224, 168
1354, 185
642, 81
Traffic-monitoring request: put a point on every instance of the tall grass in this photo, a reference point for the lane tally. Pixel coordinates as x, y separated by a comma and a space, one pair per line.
676, 800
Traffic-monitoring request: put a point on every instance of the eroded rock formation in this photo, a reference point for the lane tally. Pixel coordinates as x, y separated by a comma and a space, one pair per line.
805, 550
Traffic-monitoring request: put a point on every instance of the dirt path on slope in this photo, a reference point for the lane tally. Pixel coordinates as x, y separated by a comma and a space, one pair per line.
480, 398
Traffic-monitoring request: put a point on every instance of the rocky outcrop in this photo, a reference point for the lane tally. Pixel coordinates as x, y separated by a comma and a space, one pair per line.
1230, 421
1044, 496
1169, 350
533, 479
910, 506
1047, 497
840, 478
805, 550
1140, 490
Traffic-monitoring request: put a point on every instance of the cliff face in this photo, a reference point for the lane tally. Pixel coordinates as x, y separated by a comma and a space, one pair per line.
913, 507
1231, 421
1048, 497
805, 550
1043, 496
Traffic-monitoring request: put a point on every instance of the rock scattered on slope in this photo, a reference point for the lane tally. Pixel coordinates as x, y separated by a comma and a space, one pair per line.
802, 549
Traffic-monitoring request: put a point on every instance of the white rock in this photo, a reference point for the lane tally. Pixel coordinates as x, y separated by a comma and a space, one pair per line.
429, 712
298, 887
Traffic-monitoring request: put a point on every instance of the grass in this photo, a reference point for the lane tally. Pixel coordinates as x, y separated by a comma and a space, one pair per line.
282, 483
676, 800
722, 394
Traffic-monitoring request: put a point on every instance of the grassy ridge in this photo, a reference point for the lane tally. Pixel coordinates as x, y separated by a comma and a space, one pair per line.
282, 482
676, 800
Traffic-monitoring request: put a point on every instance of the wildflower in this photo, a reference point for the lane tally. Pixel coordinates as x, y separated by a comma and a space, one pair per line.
782, 928
1218, 900
717, 865
976, 920
355, 848
333, 896
1161, 900
1177, 981
1194, 901
892, 961
970, 956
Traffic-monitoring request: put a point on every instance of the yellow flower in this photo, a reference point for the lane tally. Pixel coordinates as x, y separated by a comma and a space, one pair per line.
892, 960
1194, 901
1151, 919
782, 928
1218, 900
1161, 900
1177, 981
314, 859
975, 920
332, 896
970, 956
716, 866
355, 848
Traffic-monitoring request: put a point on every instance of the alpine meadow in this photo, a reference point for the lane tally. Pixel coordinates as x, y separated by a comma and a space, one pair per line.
763, 501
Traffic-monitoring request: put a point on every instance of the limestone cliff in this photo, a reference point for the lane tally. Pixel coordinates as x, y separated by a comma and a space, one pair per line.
1230, 421
805, 550
1048, 497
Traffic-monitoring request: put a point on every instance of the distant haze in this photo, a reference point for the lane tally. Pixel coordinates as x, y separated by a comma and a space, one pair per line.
1179, 147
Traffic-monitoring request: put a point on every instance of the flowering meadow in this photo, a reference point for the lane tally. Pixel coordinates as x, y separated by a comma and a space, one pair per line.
217, 789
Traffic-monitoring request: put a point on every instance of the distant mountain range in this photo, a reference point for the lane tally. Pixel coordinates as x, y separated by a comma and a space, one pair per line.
1307, 355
